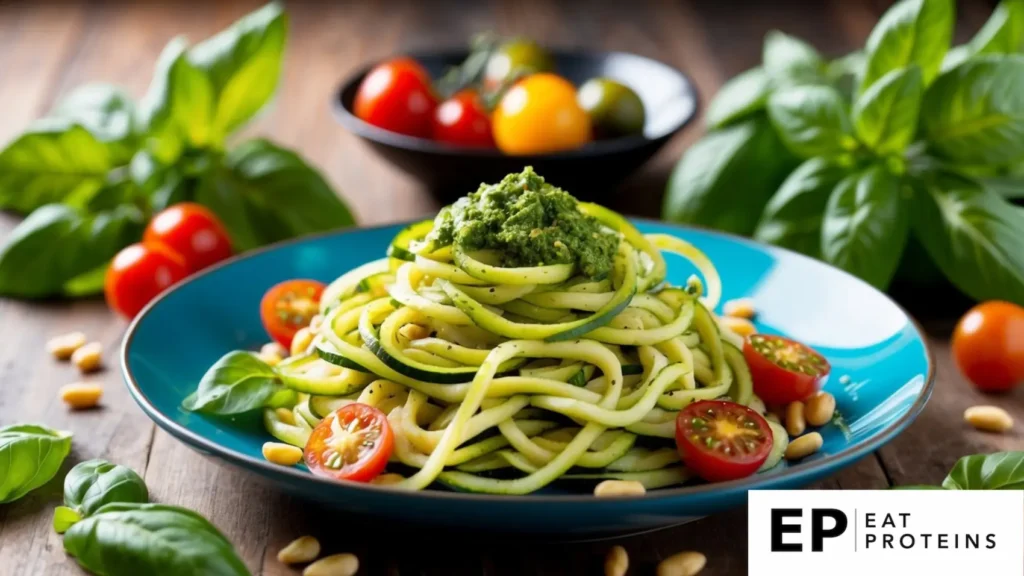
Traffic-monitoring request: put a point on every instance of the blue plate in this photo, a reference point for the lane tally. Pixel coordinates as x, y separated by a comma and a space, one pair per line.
881, 377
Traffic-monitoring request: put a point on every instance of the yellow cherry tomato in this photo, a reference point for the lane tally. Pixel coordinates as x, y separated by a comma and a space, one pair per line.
540, 114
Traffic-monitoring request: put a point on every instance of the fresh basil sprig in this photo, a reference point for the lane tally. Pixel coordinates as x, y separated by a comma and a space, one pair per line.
30, 455
99, 166
239, 382
905, 144
92, 484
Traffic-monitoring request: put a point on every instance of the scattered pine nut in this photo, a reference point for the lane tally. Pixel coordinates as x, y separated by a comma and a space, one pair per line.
740, 326
283, 454
804, 446
739, 308
988, 418
269, 359
301, 342
300, 551
285, 415
616, 563
336, 565
619, 488
682, 564
80, 396
274, 348
387, 479
88, 358
820, 408
63, 346
795, 422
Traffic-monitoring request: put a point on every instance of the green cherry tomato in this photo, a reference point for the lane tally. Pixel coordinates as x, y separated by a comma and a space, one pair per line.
615, 109
516, 57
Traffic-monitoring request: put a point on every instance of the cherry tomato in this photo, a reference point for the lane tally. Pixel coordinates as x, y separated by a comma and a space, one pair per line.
615, 109
540, 114
192, 231
721, 440
138, 273
514, 58
288, 307
462, 120
784, 370
396, 96
988, 345
354, 443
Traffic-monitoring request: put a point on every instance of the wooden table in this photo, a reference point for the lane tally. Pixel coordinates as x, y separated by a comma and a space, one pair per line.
45, 50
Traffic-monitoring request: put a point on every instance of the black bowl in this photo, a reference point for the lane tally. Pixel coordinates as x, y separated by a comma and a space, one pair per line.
592, 172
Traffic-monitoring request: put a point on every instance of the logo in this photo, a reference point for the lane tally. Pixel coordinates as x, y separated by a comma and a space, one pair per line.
886, 532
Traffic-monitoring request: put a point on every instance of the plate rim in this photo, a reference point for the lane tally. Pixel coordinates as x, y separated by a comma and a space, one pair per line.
811, 469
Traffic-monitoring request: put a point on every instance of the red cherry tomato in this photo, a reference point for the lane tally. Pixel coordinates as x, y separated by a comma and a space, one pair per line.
988, 345
396, 96
288, 307
192, 231
138, 273
462, 120
721, 440
354, 443
784, 370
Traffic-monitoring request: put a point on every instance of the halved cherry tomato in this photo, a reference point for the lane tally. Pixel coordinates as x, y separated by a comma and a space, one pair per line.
462, 120
138, 273
784, 370
396, 96
192, 231
354, 443
988, 345
540, 114
721, 440
289, 306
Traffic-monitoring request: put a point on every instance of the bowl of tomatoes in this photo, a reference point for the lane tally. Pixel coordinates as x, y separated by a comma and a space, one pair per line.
454, 119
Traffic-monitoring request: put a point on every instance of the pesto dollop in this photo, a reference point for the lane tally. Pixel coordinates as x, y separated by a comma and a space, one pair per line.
528, 222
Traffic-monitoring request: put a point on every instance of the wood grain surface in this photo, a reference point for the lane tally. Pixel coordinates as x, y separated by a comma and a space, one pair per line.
47, 49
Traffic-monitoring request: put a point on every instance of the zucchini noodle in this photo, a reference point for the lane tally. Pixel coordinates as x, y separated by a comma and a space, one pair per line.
505, 379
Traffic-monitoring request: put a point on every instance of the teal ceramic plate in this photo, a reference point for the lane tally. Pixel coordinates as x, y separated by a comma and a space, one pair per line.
881, 377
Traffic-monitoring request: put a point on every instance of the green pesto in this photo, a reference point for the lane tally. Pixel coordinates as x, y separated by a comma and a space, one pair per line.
528, 222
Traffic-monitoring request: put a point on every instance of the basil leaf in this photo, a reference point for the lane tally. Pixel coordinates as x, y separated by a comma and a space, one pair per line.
105, 111
1010, 187
789, 60
239, 382
30, 455
865, 226
844, 73
94, 483
64, 518
711, 184
177, 110
1003, 33
999, 471
133, 539
792, 219
975, 237
885, 115
243, 64
53, 161
739, 98
255, 180
56, 244
974, 113
812, 120
911, 32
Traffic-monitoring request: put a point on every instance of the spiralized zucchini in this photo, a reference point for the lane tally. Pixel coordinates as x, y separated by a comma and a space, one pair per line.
504, 380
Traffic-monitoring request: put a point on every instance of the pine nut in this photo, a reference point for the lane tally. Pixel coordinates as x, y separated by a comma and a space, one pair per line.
336, 565
299, 551
804, 446
300, 343
739, 308
269, 359
682, 564
740, 326
283, 454
619, 488
89, 357
795, 423
988, 418
80, 396
285, 415
275, 349
63, 346
616, 562
820, 408
387, 479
